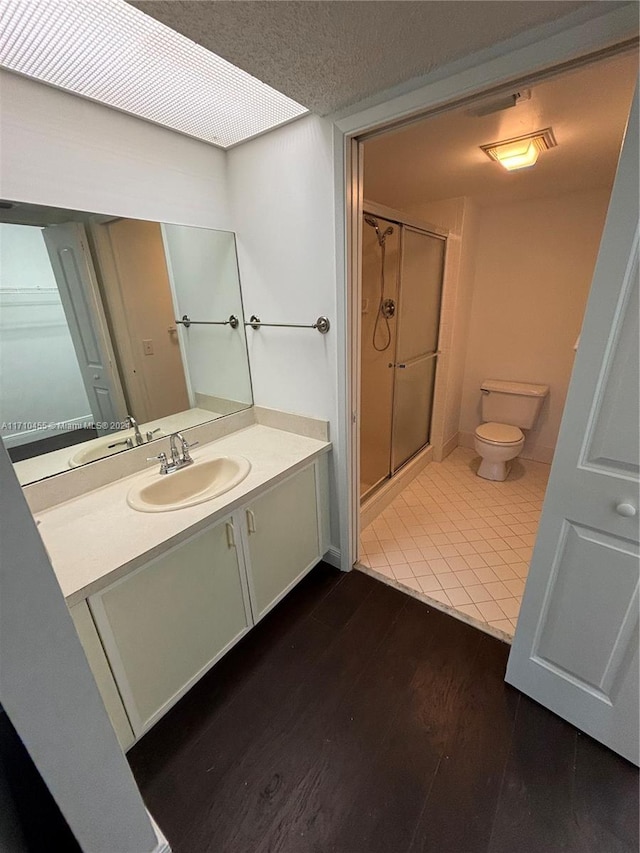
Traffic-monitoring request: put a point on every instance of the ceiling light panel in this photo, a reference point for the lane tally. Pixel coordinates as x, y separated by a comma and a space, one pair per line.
113, 53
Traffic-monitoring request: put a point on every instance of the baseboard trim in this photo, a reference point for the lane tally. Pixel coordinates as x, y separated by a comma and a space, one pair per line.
333, 557
535, 454
450, 445
163, 845
379, 501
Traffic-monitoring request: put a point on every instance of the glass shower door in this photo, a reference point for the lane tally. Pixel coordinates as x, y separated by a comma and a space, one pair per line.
380, 260
422, 264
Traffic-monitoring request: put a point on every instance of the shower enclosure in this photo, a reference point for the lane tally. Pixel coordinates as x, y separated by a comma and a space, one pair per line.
402, 273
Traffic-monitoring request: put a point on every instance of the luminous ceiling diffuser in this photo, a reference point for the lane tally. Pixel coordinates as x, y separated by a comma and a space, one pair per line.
521, 151
110, 52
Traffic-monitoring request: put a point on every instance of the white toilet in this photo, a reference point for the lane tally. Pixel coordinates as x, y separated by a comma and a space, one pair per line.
507, 409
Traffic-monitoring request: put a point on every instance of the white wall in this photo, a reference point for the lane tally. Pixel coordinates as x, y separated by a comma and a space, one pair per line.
40, 381
48, 691
281, 190
534, 265
60, 150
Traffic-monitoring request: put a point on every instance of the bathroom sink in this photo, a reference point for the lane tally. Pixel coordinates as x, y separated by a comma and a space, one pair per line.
101, 448
189, 486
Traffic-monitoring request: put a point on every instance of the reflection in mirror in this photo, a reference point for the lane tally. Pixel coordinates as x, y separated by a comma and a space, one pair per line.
94, 359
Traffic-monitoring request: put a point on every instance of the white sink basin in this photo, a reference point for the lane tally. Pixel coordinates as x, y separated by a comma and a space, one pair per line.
190, 486
99, 448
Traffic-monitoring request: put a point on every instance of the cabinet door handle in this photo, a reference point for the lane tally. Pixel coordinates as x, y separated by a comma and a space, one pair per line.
231, 536
251, 521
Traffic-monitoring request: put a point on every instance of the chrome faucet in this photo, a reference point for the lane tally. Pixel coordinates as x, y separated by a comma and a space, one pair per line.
136, 429
179, 457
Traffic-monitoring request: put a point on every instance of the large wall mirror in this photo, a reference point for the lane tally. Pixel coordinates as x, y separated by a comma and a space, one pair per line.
95, 354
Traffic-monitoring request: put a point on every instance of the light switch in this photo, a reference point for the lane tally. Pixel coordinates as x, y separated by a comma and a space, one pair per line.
148, 347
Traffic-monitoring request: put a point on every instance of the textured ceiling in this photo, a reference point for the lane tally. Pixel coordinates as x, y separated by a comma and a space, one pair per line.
440, 158
326, 55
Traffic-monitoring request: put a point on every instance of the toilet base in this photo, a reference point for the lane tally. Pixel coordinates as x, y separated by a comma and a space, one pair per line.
490, 470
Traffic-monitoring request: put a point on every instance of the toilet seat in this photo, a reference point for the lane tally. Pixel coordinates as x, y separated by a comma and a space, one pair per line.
499, 434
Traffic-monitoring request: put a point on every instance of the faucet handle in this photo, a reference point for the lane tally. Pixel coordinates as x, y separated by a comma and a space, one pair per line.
151, 432
186, 456
162, 458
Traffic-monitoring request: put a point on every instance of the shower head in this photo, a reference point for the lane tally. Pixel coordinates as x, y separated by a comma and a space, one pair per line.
370, 220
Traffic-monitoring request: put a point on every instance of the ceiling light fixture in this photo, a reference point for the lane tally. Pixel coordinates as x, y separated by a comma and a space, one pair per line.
521, 152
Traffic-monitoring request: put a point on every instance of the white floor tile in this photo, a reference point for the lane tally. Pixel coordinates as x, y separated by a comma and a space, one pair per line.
401, 571
439, 595
478, 592
448, 580
463, 541
490, 610
510, 607
515, 587
498, 590
486, 574
470, 610
439, 566
467, 577
412, 583
503, 625
429, 583
458, 595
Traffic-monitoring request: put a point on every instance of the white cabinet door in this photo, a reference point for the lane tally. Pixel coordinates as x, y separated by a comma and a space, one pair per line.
164, 625
576, 646
282, 539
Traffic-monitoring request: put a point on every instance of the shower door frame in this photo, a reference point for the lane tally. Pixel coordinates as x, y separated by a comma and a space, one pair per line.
421, 226
437, 234
520, 61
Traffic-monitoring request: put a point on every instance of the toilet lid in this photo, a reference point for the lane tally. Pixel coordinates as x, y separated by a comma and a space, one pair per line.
499, 433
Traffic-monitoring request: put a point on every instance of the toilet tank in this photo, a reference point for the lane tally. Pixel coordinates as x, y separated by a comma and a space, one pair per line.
515, 403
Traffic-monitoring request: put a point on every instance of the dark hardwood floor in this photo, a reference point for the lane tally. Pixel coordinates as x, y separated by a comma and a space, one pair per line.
354, 718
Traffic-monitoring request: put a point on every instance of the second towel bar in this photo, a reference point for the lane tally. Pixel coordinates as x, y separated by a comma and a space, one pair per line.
322, 324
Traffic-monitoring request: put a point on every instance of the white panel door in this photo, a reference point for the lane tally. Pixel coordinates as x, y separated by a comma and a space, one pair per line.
76, 279
576, 645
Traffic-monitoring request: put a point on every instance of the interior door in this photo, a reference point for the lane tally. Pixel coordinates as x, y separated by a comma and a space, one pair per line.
422, 267
76, 279
576, 644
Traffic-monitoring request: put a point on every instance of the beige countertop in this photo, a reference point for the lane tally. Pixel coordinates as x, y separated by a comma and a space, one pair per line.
97, 537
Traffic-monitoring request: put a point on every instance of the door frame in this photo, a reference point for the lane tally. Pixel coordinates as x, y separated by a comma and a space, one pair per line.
529, 58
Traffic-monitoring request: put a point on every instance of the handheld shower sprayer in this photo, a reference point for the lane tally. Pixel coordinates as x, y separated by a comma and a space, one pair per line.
386, 307
374, 224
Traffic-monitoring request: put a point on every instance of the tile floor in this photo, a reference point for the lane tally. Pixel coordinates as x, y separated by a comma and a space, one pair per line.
461, 540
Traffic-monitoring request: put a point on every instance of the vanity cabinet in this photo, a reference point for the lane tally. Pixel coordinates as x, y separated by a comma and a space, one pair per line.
165, 624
